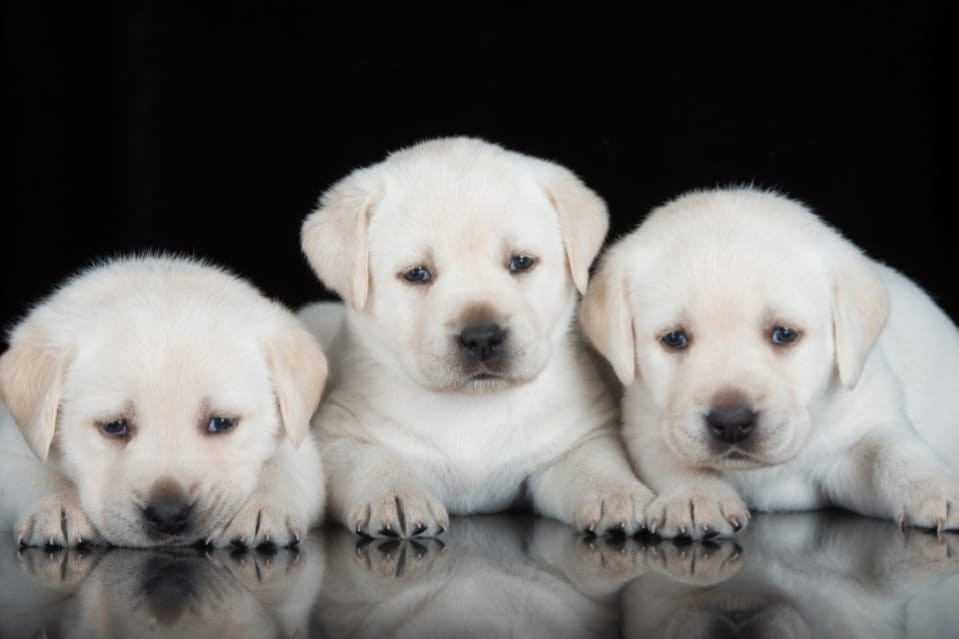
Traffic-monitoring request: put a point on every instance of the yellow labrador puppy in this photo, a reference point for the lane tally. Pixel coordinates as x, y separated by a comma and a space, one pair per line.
461, 384
769, 363
158, 400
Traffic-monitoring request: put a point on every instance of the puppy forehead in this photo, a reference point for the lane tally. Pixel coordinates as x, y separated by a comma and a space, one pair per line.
708, 276
464, 206
156, 370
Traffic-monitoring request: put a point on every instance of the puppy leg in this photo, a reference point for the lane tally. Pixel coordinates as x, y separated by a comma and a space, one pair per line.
894, 474
593, 488
40, 504
374, 493
287, 501
690, 502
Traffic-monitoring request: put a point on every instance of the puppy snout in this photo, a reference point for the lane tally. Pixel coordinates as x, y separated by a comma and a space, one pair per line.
731, 424
483, 342
169, 516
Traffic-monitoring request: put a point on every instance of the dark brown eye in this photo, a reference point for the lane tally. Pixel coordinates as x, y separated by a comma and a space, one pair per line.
519, 263
418, 275
219, 425
783, 336
675, 340
118, 428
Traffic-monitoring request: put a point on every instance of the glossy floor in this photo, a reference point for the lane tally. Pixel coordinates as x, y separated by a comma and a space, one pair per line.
789, 576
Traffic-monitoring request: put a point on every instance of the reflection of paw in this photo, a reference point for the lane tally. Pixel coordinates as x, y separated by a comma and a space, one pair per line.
697, 514
396, 558
261, 522
57, 520
612, 556
57, 568
696, 563
263, 567
405, 511
932, 504
613, 507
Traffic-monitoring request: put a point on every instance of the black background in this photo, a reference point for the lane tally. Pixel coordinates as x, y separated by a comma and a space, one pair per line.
211, 128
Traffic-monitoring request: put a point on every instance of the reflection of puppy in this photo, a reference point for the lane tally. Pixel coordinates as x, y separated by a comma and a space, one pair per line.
822, 574
767, 360
167, 402
465, 388
168, 592
490, 576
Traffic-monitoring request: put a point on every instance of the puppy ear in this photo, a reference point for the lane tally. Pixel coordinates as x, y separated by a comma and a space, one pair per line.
607, 320
334, 238
583, 220
31, 385
299, 371
860, 310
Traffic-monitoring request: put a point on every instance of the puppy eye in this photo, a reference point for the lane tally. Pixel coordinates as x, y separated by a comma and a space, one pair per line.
519, 263
118, 428
675, 340
782, 336
418, 275
218, 425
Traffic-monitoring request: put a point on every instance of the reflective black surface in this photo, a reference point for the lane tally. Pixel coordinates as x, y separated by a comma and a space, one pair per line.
792, 576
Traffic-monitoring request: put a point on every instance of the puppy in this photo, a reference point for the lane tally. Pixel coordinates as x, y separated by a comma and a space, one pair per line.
158, 400
465, 387
769, 363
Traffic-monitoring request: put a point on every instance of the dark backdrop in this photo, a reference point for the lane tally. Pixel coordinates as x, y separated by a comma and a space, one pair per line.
212, 128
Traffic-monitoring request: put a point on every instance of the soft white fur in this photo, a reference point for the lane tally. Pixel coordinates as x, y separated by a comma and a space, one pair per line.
166, 344
409, 433
862, 412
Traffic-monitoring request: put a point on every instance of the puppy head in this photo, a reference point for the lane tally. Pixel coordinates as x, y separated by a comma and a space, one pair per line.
734, 311
160, 387
460, 259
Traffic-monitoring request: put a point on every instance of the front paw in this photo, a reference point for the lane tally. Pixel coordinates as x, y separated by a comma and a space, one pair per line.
697, 514
57, 520
404, 511
261, 521
617, 507
930, 504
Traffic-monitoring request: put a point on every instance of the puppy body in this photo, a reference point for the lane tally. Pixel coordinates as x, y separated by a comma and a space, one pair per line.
420, 420
159, 401
770, 364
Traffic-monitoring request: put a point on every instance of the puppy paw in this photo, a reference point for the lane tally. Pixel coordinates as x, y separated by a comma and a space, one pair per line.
261, 522
699, 563
56, 521
613, 507
697, 515
403, 512
930, 504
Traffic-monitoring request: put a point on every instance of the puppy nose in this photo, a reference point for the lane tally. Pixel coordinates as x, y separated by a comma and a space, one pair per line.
168, 517
731, 424
482, 341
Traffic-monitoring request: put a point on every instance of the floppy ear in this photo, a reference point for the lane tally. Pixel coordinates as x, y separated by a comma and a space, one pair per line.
583, 220
860, 309
607, 320
334, 238
299, 371
31, 385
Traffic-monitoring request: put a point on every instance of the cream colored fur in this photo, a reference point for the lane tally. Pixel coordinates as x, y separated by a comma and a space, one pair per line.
411, 430
860, 412
165, 344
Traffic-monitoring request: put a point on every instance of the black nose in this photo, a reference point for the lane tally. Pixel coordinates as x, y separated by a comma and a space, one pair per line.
731, 424
170, 517
483, 342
